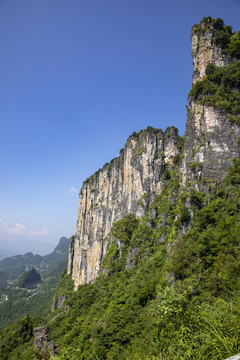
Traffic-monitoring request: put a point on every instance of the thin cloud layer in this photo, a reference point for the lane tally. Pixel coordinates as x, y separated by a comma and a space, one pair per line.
73, 191
19, 229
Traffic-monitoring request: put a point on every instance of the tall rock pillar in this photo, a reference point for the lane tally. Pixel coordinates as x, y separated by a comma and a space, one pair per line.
210, 137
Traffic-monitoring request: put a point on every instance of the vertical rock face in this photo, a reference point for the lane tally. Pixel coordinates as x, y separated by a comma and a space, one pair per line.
205, 49
126, 185
210, 143
210, 137
130, 182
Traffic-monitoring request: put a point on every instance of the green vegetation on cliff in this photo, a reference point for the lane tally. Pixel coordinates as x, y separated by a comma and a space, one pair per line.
169, 284
180, 299
225, 38
220, 88
168, 287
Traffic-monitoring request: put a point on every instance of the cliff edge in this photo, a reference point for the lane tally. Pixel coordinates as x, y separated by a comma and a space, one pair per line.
130, 183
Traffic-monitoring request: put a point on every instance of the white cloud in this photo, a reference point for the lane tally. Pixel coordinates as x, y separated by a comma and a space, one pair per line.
19, 229
73, 191
34, 232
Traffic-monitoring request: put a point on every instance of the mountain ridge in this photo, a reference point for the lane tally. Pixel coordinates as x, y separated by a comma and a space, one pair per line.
17, 264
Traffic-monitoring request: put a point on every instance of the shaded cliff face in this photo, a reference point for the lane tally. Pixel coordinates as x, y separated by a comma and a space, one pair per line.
127, 185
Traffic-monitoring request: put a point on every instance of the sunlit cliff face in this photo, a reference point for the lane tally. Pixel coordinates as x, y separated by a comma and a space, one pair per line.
127, 185
130, 182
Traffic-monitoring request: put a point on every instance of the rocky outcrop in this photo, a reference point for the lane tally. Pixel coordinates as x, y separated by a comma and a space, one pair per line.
127, 185
58, 302
205, 49
210, 137
210, 143
130, 182
43, 346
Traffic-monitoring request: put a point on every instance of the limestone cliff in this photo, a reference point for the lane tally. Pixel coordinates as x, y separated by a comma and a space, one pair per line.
210, 143
210, 137
127, 185
130, 182
206, 48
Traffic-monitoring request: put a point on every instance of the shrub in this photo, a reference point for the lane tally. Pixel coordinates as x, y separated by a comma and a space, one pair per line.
184, 214
196, 198
167, 174
210, 69
219, 89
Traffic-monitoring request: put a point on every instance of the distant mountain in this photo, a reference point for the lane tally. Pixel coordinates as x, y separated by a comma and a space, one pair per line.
60, 253
20, 290
12, 267
16, 265
29, 278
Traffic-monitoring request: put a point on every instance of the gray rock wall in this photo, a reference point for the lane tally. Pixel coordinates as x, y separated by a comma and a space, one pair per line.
127, 185
210, 137
205, 49
211, 143
130, 182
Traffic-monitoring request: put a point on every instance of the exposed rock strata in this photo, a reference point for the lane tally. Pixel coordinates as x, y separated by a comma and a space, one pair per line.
210, 137
205, 49
210, 143
58, 302
127, 185
44, 347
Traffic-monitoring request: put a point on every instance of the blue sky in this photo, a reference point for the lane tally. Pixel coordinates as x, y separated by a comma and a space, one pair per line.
77, 78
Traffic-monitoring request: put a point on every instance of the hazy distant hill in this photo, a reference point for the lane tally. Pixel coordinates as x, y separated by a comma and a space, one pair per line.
60, 253
16, 265
12, 267
29, 278
17, 300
